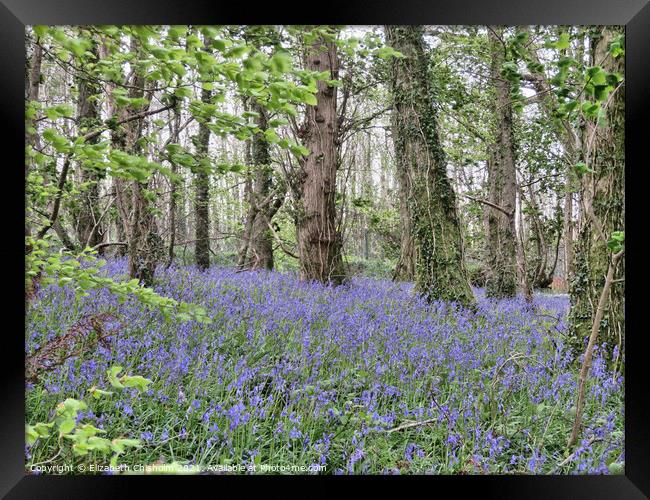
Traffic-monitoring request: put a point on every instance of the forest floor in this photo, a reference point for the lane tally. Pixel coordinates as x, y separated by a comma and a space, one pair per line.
362, 378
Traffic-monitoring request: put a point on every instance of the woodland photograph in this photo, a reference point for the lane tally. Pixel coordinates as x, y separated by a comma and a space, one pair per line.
319, 249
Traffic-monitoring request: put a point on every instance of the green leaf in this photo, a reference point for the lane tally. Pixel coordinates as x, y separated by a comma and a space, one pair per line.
66, 426
87, 430
387, 52
563, 42
43, 429
618, 236
590, 109
616, 242
59, 142
175, 32
40, 30
271, 136
98, 393
70, 407
80, 449
112, 376
30, 434
614, 79
299, 150
99, 444
281, 61
582, 168
183, 317
220, 45
596, 75
118, 445
237, 51
77, 46
309, 98
601, 92
617, 46
135, 381
616, 468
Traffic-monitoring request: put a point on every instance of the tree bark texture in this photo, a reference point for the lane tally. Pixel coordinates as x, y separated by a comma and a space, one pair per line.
260, 255
502, 186
440, 272
145, 246
602, 211
86, 209
202, 196
319, 242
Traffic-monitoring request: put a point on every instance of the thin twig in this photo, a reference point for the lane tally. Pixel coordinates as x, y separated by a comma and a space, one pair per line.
586, 363
410, 425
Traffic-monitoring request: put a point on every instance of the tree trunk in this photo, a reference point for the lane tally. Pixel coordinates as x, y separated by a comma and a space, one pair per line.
567, 135
439, 267
502, 183
250, 215
181, 215
538, 277
173, 195
33, 91
595, 328
603, 212
568, 229
522, 272
261, 240
86, 212
33, 82
144, 244
405, 270
319, 242
202, 200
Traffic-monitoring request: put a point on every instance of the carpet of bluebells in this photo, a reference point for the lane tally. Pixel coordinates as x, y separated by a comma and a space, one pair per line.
362, 378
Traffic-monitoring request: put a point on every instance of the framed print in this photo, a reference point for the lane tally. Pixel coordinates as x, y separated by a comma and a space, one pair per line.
394, 243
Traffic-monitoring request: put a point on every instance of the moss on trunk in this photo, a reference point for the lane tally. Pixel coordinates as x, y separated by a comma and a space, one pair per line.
603, 212
439, 265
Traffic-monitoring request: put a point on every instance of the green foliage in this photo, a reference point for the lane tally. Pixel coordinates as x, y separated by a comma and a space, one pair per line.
477, 274
120, 95
388, 52
126, 380
370, 268
582, 168
617, 242
85, 437
617, 46
65, 268
562, 43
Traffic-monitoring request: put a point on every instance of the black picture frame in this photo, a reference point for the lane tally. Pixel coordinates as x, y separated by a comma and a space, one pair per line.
634, 14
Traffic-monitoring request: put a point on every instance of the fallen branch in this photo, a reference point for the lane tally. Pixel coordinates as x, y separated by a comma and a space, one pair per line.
78, 340
410, 425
